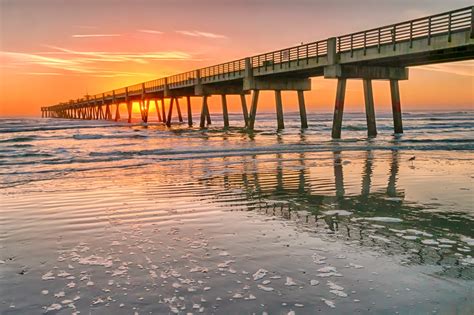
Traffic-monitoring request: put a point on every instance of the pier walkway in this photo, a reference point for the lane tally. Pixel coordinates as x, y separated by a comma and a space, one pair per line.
383, 53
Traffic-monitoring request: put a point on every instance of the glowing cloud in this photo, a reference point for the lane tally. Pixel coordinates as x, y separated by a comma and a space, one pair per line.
94, 35
201, 34
151, 32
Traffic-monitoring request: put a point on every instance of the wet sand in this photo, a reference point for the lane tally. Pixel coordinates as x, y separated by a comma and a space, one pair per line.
367, 232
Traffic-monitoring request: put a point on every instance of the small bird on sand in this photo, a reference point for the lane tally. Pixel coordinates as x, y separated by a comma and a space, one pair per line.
412, 158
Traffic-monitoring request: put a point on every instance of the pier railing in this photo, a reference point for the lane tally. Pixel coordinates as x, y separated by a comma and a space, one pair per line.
443, 23
446, 23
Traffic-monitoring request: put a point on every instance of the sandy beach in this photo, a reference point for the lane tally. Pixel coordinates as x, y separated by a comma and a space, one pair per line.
323, 231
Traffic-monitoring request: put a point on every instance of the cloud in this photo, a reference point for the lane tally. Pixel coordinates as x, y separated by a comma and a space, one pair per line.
82, 62
42, 73
462, 69
94, 35
150, 32
201, 34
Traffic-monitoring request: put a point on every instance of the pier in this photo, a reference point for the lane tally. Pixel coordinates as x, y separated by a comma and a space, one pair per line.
383, 53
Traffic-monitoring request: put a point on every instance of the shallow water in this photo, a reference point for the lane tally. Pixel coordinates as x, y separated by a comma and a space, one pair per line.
100, 217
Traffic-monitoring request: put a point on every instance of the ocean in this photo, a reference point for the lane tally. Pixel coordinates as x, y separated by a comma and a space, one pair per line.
105, 217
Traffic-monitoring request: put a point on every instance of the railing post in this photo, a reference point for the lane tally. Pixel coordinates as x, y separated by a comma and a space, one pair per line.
352, 43
298, 55
378, 43
248, 68
411, 34
258, 63
317, 52
365, 43
429, 30
332, 51
449, 27
307, 54
394, 37
472, 22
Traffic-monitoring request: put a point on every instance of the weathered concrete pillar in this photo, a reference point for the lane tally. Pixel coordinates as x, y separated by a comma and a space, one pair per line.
170, 112
204, 112
157, 110
146, 107
303, 117
163, 110
253, 109
178, 109
208, 114
225, 113
396, 107
279, 110
369, 108
245, 111
190, 113
339, 108
332, 50
129, 109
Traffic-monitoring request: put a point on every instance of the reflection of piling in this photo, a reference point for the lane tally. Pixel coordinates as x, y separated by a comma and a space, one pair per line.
338, 175
392, 181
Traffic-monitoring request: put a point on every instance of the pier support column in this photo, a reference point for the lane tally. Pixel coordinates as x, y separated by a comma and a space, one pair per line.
303, 117
144, 106
369, 108
108, 115
190, 113
245, 111
279, 110
225, 112
129, 109
204, 112
396, 107
339, 108
117, 112
163, 111
253, 109
158, 110
170, 112
178, 109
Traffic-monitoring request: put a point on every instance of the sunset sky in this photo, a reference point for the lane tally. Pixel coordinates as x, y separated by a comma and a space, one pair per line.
55, 50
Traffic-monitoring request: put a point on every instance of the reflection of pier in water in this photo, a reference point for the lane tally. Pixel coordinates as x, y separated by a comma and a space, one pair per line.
288, 190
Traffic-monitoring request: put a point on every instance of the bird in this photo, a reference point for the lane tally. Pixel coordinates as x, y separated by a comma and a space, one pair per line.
412, 158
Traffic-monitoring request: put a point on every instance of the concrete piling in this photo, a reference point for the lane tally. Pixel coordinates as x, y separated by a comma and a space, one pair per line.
245, 111
170, 112
204, 112
225, 112
339, 108
302, 107
369, 108
253, 109
396, 107
190, 113
279, 110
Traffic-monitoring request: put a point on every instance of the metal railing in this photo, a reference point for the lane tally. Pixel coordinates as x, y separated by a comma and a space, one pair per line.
229, 70
299, 54
426, 27
446, 23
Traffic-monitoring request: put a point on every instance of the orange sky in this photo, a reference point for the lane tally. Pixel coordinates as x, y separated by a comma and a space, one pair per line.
52, 51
